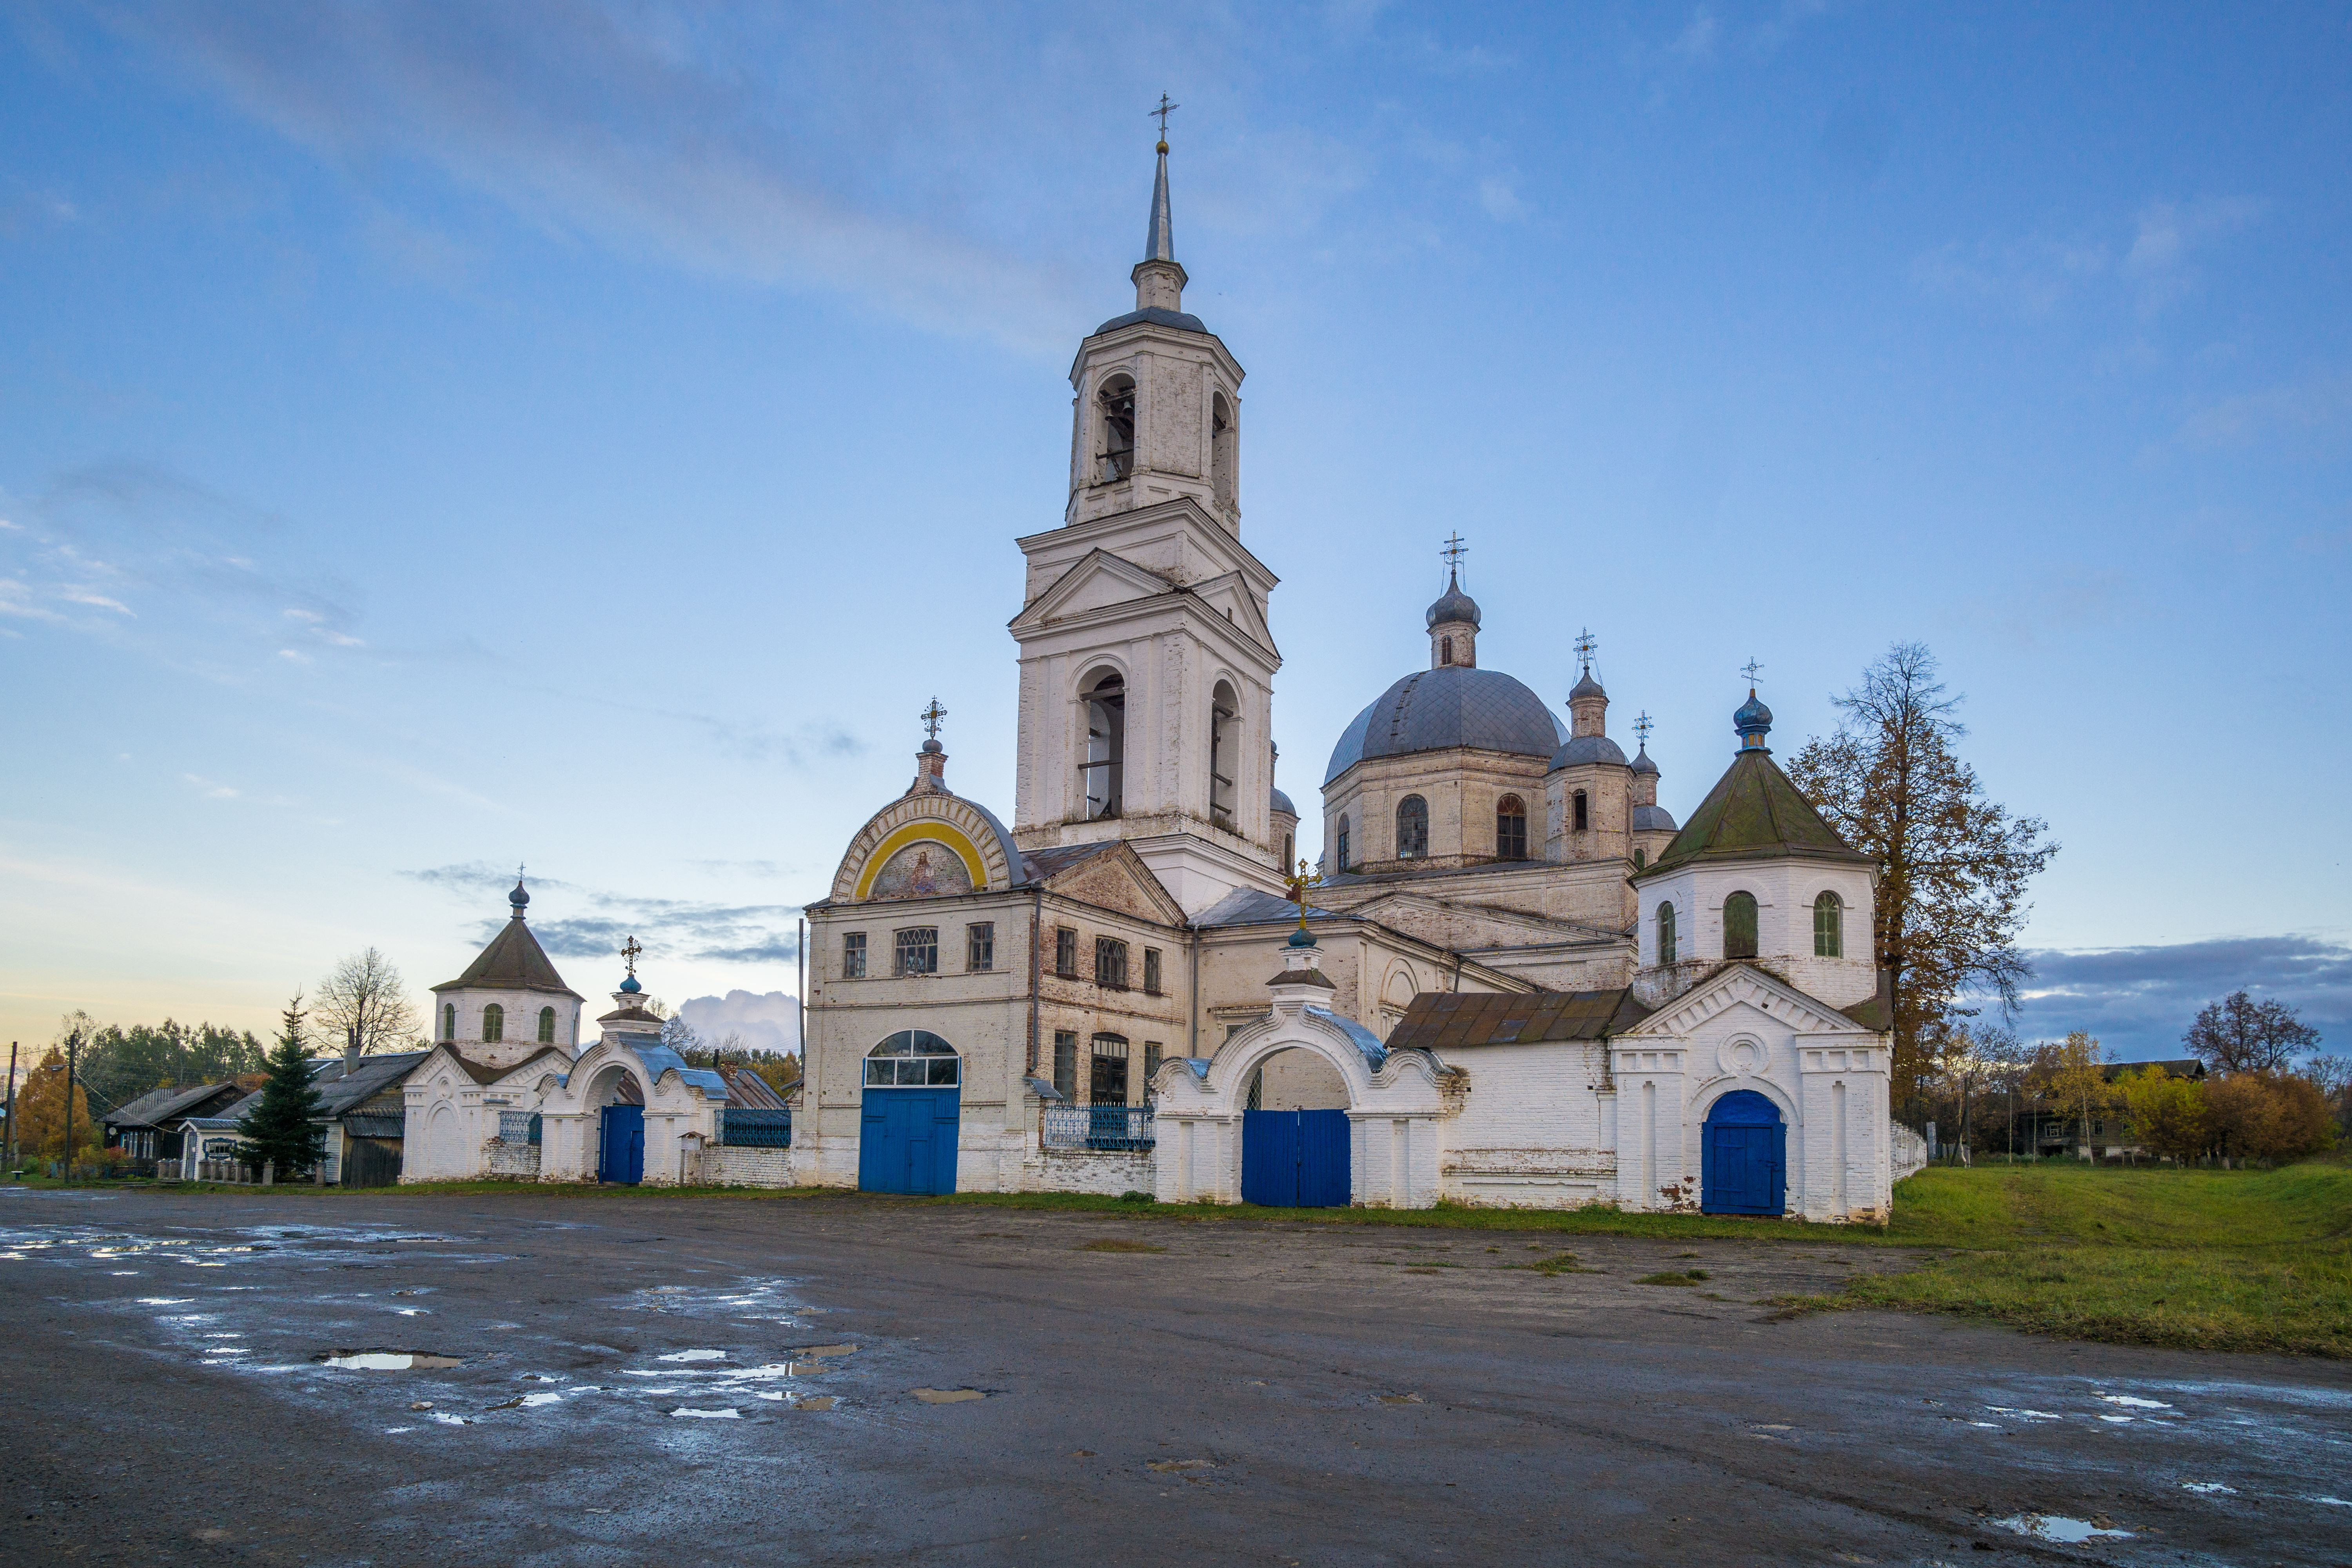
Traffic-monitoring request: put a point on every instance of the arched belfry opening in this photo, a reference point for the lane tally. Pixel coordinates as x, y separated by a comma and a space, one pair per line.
1102, 775
1224, 452
1115, 459
1225, 754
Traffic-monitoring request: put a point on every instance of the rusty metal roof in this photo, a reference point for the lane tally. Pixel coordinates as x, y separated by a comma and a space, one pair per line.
1440, 1020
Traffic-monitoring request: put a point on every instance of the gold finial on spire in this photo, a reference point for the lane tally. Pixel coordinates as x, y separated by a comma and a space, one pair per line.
1298, 886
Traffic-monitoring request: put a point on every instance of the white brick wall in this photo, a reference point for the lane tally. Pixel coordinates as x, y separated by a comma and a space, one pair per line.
730, 1167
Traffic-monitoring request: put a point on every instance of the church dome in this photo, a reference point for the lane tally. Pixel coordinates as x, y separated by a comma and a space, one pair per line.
1589, 749
1453, 605
1281, 806
1452, 705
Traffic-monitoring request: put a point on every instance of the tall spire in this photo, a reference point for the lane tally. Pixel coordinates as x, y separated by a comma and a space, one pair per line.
1159, 278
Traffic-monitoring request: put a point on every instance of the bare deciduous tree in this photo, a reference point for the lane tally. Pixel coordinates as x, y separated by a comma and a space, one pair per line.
2238, 1034
366, 1003
1954, 865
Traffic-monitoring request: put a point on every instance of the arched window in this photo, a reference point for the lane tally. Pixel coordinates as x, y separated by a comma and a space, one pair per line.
1224, 449
913, 1058
1510, 828
1224, 754
1640, 857
1343, 841
493, 1022
1102, 776
448, 1020
547, 1026
1287, 850
1412, 827
1581, 811
1107, 1083
1666, 933
1445, 651
1117, 400
1739, 926
1829, 926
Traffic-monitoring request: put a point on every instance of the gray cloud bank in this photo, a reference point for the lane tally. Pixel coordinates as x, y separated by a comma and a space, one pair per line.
573, 922
2140, 1000
767, 1022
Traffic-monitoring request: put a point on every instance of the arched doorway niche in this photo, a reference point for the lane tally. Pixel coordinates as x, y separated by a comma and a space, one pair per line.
1392, 1099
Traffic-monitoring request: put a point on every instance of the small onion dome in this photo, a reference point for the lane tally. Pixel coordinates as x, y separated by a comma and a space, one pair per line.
518, 898
1642, 764
932, 747
1453, 605
631, 985
1302, 937
1753, 720
1281, 806
1588, 687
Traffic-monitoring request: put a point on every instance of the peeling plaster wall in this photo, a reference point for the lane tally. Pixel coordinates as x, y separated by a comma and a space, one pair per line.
1531, 1133
726, 1167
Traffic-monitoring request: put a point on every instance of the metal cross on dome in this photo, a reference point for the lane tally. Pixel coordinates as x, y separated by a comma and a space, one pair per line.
1641, 728
1163, 111
1454, 551
931, 716
1585, 646
629, 951
1749, 669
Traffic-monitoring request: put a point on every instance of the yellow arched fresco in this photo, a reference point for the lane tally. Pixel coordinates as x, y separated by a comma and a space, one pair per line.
939, 832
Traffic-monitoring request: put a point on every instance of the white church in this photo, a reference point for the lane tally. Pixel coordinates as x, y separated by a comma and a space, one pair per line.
1517, 980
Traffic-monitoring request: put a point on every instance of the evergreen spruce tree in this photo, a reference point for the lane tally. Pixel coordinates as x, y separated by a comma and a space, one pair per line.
279, 1129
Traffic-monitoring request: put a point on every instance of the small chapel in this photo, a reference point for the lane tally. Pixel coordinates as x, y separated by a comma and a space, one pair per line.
1516, 979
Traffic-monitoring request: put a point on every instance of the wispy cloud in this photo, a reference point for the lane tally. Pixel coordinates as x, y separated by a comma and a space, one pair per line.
574, 920
2150, 263
2315, 407
637, 128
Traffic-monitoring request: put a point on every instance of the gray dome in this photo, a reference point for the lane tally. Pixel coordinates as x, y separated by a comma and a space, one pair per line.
1642, 764
1587, 686
1282, 806
1654, 819
1452, 605
1452, 705
1588, 749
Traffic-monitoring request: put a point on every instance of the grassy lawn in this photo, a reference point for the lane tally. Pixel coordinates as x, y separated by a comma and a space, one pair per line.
2234, 1260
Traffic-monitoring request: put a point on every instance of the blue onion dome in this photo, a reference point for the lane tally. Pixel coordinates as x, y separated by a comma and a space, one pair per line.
1642, 764
518, 898
1753, 720
631, 985
1302, 937
1453, 605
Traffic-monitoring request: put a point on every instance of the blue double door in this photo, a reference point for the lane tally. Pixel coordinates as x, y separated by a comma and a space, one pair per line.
906, 1140
1744, 1157
1295, 1159
621, 1146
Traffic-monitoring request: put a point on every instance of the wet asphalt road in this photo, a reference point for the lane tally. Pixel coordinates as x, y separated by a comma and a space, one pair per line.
1253, 1393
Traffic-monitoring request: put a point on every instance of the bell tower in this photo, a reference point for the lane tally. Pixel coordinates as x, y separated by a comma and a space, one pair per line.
1147, 662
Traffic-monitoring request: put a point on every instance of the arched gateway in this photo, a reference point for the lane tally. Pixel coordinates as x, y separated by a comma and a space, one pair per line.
1380, 1151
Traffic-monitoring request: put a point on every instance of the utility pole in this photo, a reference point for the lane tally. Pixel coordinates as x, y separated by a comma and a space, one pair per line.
8, 1138
73, 1044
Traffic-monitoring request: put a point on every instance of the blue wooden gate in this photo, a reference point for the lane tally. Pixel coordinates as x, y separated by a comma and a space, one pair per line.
906, 1140
1295, 1159
620, 1156
1743, 1157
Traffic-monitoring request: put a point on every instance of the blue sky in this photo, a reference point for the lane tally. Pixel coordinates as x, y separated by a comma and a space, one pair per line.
436, 436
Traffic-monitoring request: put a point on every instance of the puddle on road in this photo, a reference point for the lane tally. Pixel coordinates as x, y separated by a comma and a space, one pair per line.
2059, 1528
694, 1355
388, 1361
2209, 1488
2131, 1402
708, 1415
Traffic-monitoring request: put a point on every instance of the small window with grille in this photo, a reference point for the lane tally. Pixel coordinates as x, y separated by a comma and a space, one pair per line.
853, 955
1150, 1059
1066, 953
1151, 971
917, 950
1111, 962
979, 946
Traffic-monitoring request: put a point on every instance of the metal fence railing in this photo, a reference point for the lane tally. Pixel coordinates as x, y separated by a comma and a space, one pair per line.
743, 1127
1110, 1127
519, 1126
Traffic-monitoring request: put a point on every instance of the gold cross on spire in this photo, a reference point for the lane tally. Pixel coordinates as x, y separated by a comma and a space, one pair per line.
931, 716
1162, 112
1298, 886
629, 951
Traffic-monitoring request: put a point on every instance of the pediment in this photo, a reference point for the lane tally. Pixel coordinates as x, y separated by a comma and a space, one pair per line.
1119, 880
1739, 986
1099, 581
